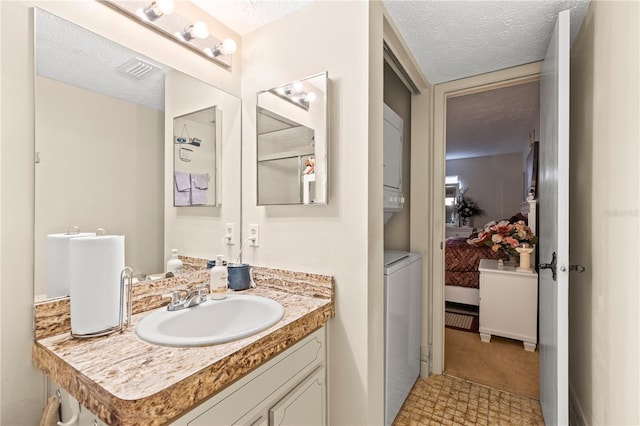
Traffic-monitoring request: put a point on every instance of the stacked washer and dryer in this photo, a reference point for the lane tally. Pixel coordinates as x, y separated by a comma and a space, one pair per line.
402, 286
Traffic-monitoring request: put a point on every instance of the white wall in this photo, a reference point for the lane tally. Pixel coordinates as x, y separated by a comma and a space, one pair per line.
23, 402
77, 186
198, 230
328, 239
604, 321
494, 182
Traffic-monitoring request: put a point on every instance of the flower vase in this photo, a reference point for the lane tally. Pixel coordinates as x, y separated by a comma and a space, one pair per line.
525, 259
464, 221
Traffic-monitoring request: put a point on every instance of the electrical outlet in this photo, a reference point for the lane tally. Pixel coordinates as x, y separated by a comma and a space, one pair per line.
254, 234
230, 231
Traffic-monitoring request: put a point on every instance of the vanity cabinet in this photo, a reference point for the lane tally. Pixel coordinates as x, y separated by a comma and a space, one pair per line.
288, 390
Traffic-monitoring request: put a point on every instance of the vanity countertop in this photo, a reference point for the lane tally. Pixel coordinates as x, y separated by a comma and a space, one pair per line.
126, 381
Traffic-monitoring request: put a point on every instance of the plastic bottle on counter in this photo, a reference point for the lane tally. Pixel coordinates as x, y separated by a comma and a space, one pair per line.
174, 265
218, 279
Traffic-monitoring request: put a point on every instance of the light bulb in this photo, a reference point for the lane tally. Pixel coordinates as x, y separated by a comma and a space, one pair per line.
226, 47
311, 96
197, 30
165, 6
297, 87
156, 10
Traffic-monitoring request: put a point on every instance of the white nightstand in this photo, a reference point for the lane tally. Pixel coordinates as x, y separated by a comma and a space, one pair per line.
458, 231
508, 304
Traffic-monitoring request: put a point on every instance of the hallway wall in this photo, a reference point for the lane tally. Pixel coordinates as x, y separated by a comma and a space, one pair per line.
604, 320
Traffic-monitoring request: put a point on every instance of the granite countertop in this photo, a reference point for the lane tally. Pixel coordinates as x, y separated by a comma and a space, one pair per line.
126, 381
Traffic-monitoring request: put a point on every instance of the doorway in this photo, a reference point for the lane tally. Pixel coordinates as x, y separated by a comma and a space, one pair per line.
442, 93
489, 135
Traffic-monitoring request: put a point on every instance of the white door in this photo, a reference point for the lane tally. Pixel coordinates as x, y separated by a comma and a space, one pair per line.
554, 226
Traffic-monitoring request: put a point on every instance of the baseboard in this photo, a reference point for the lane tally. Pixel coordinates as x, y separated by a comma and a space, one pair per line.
576, 414
424, 370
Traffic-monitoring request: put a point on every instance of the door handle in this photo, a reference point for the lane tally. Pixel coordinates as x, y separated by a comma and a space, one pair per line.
572, 268
554, 263
552, 266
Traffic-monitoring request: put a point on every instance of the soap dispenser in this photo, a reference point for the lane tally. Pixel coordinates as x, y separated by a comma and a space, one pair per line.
174, 265
218, 279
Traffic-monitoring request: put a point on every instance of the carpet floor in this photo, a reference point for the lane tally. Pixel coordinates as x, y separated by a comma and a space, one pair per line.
502, 364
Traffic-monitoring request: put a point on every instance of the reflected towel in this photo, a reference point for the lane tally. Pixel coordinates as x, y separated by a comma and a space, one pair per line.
199, 187
50, 417
200, 181
182, 189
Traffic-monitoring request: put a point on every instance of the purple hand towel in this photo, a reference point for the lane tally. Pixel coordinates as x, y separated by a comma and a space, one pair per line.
182, 189
199, 187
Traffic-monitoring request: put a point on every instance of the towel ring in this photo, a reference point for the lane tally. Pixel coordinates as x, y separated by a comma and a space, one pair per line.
76, 414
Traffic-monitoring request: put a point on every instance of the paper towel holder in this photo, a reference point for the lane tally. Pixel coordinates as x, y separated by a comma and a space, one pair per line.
125, 276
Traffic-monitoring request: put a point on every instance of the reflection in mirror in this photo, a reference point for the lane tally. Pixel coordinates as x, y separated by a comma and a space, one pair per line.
292, 143
450, 197
194, 157
102, 141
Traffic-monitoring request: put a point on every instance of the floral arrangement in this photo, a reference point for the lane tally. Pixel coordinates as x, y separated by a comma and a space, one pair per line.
466, 207
506, 236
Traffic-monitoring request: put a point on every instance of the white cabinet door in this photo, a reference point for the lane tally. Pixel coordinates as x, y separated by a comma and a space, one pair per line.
304, 405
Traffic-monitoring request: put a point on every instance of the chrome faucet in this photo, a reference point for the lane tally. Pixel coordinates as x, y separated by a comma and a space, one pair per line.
193, 298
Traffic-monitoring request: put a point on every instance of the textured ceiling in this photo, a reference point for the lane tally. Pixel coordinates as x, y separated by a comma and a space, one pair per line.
492, 122
71, 54
450, 39
457, 39
244, 16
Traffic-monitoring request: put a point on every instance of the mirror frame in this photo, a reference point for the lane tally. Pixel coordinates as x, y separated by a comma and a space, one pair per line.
321, 167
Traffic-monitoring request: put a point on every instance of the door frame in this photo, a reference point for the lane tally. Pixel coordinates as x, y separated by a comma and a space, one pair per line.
466, 86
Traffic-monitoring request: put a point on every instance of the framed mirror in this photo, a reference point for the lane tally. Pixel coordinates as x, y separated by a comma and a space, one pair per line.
104, 118
292, 144
195, 158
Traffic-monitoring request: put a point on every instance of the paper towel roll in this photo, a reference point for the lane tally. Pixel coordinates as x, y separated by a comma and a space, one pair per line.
58, 263
95, 265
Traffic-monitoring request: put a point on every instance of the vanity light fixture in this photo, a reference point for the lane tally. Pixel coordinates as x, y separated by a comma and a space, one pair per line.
156, 10
196, 30
295, 94
227, 47
160, 16
311, 97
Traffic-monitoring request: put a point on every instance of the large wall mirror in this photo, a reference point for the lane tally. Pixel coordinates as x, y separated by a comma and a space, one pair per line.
104, 138
292, 143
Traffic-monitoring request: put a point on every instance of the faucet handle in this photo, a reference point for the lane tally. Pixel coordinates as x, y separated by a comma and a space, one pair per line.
174, 295
203, 292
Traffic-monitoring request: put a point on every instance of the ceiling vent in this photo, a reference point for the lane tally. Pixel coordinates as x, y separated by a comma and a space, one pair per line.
137, 68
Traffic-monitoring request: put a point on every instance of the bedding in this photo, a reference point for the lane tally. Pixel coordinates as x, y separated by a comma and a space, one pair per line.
462, 260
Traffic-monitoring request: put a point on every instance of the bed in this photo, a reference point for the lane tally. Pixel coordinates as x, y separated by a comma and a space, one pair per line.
461, 276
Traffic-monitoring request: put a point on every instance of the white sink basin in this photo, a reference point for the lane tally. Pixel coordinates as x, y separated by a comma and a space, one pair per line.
211, 322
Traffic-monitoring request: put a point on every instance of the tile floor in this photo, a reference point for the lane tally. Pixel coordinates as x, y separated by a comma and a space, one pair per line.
446, 400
